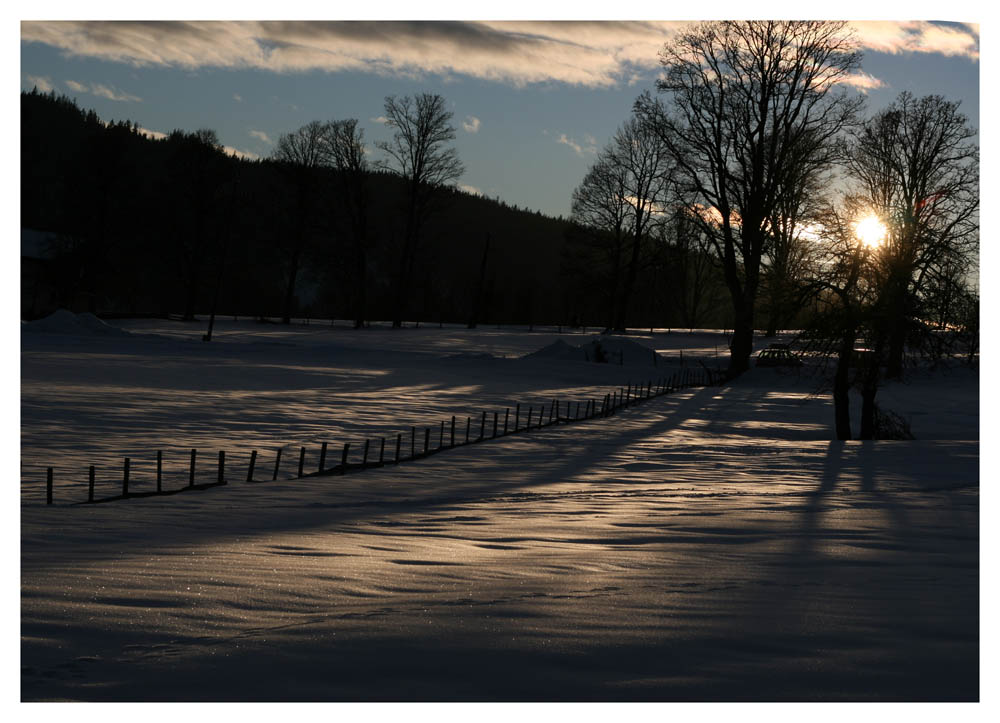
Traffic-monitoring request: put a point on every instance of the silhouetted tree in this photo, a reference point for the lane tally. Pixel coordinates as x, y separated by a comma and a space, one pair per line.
299, 153
918, 168
342, 148
197, 172
746, 96
418, 152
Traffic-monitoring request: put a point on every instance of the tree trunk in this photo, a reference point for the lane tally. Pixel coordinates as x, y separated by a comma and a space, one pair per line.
633, 268
293, 272
361, 281
742, 344
897, 344
841, 387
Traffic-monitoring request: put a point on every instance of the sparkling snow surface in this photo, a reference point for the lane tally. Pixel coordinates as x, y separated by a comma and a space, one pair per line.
713, 544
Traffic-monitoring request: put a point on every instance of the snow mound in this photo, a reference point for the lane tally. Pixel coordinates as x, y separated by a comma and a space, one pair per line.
600, 349
66, 322
556, 350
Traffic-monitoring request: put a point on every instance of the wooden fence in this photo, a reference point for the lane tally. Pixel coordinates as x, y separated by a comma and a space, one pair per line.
416, 445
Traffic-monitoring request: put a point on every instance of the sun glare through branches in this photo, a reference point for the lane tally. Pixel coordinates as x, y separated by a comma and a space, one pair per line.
870, 231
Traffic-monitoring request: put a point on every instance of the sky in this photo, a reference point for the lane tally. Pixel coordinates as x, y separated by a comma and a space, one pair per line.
533, 102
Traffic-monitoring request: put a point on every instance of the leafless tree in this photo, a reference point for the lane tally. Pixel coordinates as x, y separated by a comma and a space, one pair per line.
300, 153
419, 153
750, 102
342, 148
623, 195
601, 210
918, 168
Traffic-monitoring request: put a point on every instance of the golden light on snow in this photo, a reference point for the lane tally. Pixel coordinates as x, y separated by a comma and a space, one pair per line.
870, 231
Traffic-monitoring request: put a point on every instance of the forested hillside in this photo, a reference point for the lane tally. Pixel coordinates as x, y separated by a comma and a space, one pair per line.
136, 225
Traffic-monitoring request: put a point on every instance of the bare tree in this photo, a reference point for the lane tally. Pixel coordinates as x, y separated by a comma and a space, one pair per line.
791, 249
418, 152
300, 154
751, 100
601, 210
342, 148
844, 275
623, 195
918, 168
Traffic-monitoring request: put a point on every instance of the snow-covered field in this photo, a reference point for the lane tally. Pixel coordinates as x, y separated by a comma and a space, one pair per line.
712, 544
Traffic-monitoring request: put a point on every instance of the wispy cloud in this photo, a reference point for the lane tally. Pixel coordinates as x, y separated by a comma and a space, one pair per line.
43, 83
379, 119
261, 135
250, 156
103, 91
594, 54
471, 124
237, 97
919, 36
584, 53
579, 148
863, 82
471, 189
156, 135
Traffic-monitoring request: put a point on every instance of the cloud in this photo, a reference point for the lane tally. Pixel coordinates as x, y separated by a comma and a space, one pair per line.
156, 135
379, 119
103, 91
471, 124
582, 53
261, 135
578, 148
863, 82
470, 189
918, 36
43, 83
250, 156
237, 97
593, 54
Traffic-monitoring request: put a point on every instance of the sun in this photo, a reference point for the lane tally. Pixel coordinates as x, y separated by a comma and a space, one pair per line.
870, 231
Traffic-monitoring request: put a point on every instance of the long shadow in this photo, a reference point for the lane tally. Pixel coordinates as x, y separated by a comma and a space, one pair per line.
295, 515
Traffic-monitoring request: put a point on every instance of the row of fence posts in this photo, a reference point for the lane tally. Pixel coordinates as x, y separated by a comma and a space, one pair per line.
611, 403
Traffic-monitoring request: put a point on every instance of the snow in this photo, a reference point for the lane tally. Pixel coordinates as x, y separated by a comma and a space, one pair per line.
66, 322
711, 544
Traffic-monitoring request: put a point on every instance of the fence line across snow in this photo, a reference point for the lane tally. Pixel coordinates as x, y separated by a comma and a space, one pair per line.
558, 412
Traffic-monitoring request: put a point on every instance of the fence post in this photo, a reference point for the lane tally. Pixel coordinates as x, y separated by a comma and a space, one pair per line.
495, 424
322, 457
159, 470
527, 426
506, 417
222, 466
427, 439
194, 453
277, 461
302, 459
517, 416
441, 438
482, 427
48, 486
452, 430
413, 442
253, 461
399, 443
381, 453
90, 485
343, 458
364, 459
